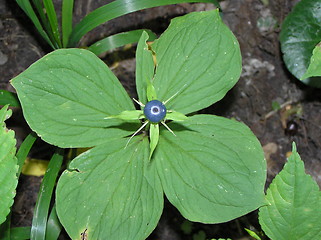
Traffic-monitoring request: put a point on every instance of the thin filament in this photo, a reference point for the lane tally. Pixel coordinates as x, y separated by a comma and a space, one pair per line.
167, 127
145, 123
175, 94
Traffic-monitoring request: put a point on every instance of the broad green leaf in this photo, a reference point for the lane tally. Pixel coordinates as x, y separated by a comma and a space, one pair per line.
66, 20
197, 57
116, 9
119, 40
118, 190
40, 216
66, 95
8, 166
10, 98
299, 35
144, 69
314, 68
213, 171
293, 209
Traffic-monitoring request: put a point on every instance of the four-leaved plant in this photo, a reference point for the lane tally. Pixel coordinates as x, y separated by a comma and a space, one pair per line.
212, 170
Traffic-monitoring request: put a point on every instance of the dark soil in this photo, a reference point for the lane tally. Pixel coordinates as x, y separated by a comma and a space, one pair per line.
264, 80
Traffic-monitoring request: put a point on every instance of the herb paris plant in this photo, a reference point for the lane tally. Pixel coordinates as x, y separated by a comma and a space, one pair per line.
212, 171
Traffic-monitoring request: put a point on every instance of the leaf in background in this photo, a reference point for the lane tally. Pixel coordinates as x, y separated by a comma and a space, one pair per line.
8, 166
52, 18
299, 35
10, 98
66, 95
40, 216
118, 190
53, 225
293, 209
119, 40
144, 68
66, 20
27, 8
116, 9
314, 68
213, 171
199, 57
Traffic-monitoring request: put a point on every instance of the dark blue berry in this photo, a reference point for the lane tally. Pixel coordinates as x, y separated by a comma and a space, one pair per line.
155, 111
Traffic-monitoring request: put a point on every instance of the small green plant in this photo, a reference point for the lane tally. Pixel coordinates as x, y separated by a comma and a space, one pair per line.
44, 16
293, 205
299, 36
212, 170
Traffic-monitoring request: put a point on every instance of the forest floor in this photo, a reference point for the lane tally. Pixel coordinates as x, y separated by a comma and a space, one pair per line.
264, 81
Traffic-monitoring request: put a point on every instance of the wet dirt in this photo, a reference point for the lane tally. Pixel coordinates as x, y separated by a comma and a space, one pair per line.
264, 81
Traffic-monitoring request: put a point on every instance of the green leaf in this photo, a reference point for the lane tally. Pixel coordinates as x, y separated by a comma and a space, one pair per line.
53, 225
293, 209
299, 35
197, 57
24, 150
27, 8
10, 98
116, 9
213, 171
40, 216
66, 95
118, 190
38, 5
8, 166
119, 40
314, 68
144, 70
66, 20
52, 17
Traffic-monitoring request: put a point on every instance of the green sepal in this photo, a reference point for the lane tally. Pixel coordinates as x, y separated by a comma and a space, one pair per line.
252, 234
151, 93
128, 115
154, 136
175, 116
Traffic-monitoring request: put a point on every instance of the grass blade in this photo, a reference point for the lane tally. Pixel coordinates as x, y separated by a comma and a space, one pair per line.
39, 221
24, 150
52, 17
53, 226
44, 21
20, 233
119, 40
10, 98
27, 8
115, 9
67, 10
